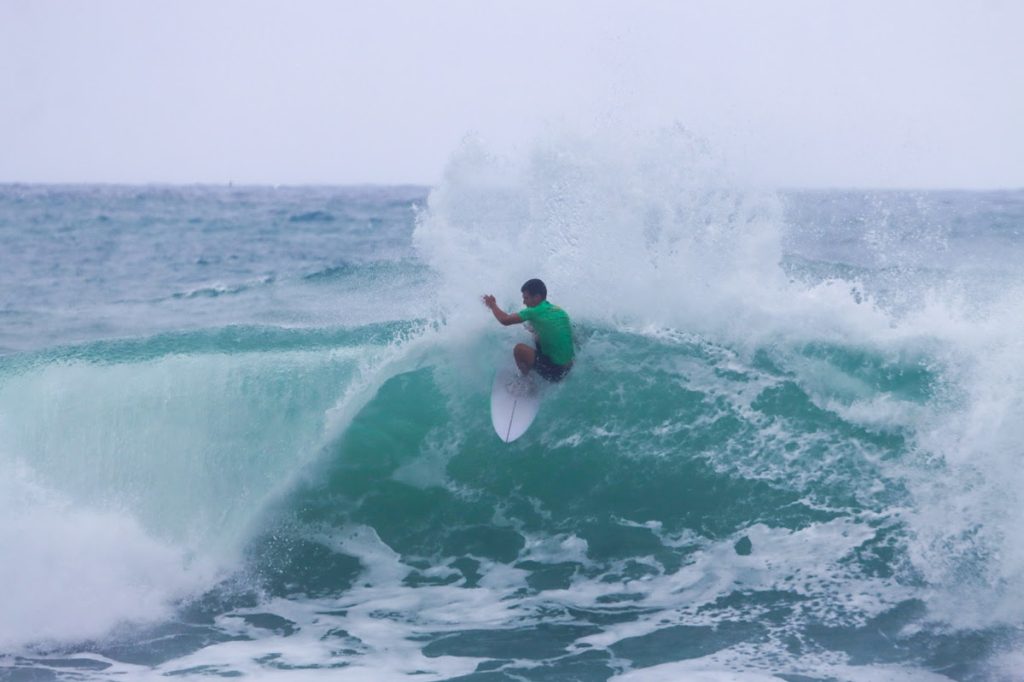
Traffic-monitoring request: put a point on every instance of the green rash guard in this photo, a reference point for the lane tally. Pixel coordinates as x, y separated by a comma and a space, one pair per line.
553, 329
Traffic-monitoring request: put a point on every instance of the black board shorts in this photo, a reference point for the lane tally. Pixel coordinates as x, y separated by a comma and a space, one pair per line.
548, 369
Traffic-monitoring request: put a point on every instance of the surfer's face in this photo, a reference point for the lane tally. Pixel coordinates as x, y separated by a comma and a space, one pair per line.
531, 300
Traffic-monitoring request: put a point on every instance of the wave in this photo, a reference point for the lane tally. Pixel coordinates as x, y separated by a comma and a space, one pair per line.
190, 437
374, 271
158, 450
312, 217
219, 289
673, 487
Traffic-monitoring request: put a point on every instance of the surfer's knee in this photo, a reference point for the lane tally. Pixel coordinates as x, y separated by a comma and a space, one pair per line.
524, 356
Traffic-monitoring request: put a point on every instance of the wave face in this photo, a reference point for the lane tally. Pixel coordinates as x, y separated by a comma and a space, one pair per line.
245, 432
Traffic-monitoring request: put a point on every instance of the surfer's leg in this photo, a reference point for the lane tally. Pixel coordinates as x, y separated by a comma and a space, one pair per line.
525, 357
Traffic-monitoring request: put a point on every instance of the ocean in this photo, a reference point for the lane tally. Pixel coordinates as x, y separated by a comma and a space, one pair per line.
244, 431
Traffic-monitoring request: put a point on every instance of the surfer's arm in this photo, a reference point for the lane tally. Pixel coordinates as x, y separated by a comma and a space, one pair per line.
499, 314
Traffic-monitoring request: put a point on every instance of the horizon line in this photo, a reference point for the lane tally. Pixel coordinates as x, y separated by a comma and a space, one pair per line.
421, 185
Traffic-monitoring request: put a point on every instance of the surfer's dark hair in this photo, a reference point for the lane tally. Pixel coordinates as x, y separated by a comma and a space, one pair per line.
535, 287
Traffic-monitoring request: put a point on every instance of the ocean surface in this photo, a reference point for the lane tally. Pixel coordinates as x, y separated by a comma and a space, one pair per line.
244, 431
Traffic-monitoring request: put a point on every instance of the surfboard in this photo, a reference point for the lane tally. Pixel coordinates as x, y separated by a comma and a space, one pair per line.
515, 400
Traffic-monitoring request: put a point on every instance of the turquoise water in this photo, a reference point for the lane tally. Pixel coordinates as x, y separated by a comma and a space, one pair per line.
244, 431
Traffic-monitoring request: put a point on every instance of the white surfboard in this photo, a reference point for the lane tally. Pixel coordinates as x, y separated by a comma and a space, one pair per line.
515, 400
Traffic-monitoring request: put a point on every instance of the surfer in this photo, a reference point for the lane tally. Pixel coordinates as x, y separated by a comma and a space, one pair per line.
552, 354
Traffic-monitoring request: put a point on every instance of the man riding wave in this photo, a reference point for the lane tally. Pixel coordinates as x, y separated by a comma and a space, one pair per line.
553, 353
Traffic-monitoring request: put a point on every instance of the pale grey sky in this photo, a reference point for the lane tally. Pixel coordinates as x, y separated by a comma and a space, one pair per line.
792, 93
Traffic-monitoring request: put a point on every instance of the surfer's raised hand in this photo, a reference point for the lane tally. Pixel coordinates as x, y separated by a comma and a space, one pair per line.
499, 314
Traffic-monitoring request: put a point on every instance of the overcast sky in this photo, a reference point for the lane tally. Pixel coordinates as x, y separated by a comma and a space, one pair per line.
810, 93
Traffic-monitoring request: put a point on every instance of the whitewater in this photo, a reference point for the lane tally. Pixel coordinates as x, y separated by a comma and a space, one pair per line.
244, 431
